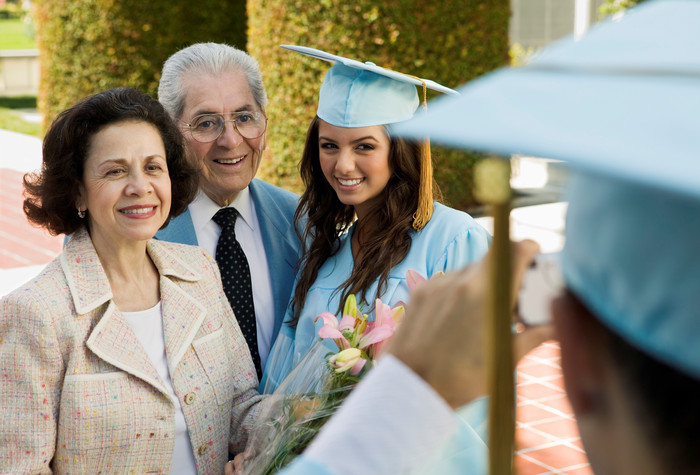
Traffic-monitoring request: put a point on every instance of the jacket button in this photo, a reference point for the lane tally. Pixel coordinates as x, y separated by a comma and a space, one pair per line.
202, 449
189, 398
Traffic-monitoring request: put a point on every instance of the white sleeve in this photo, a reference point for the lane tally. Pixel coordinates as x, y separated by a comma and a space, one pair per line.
390, 423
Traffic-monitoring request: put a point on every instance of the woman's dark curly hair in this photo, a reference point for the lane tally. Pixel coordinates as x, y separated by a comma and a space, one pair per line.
51, 195
385, 243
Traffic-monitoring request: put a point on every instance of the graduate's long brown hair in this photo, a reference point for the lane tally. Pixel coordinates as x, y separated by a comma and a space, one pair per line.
386, 231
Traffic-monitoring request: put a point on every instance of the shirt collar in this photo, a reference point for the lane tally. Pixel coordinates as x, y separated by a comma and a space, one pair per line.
203, 209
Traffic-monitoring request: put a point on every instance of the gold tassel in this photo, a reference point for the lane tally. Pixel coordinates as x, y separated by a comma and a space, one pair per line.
425, 192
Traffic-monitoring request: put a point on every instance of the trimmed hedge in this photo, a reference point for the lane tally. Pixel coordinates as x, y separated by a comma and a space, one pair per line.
87, 46
610, 7
11, 9
449, 42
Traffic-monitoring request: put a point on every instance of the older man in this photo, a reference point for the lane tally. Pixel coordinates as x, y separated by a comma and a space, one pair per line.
216, 94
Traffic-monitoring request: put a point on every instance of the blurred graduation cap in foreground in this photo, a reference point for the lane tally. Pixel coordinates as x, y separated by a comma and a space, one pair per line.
621, 107
623, 100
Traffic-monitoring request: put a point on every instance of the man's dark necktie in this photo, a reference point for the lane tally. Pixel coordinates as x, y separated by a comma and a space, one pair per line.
235, 275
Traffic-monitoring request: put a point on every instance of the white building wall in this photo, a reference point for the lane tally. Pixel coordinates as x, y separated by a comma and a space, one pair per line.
535, 23
19, 72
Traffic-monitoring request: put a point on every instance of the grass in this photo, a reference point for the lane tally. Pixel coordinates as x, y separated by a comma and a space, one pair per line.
11, 117
12, 120
14, 35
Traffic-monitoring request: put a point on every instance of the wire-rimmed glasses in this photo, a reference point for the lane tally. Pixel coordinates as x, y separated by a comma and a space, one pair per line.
206, 128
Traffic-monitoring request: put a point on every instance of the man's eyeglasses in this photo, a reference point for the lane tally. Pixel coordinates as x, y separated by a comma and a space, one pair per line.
206, 128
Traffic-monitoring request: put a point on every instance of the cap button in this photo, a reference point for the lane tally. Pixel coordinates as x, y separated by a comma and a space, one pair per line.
370, 63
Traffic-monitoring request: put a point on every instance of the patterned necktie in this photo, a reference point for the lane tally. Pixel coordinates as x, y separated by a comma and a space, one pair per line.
235, 275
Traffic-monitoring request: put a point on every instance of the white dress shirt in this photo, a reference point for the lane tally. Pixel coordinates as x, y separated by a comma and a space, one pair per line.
148, 327
248, 234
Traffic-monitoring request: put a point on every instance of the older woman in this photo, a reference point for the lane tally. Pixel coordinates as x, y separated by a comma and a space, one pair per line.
123, 354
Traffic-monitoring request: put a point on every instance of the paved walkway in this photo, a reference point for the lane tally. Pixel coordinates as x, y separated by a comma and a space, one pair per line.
547, 439
24, 249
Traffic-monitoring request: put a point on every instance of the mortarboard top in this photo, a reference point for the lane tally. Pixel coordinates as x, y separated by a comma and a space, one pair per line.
357, 94
620, 106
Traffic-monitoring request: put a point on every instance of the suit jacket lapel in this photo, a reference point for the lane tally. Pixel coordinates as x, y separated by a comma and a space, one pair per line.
182, 319
182, 313
112, 339
87, 281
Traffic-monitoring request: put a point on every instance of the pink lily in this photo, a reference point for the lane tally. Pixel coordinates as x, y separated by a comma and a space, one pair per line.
330, 330
414, 280
376, 335
383, 328
398, 312
357, 367
359, 320
347, 323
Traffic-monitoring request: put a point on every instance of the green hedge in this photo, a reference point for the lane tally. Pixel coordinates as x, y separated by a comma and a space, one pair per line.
11, 10
90, 45
449, 42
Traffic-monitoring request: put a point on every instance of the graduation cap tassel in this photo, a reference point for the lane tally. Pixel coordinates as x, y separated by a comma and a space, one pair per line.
492, 176
425, 194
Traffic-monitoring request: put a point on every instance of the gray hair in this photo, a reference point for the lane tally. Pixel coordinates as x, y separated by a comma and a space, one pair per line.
206, 58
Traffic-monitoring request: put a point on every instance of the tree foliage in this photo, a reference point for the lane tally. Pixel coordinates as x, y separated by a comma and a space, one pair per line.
90, 45
87, 46
610, 7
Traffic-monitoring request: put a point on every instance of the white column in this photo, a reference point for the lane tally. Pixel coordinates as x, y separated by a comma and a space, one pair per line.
582, 17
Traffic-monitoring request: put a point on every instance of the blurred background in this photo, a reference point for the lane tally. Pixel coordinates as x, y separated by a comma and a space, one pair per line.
54, 52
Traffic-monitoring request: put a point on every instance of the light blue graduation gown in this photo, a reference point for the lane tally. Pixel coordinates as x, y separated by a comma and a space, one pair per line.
451, 240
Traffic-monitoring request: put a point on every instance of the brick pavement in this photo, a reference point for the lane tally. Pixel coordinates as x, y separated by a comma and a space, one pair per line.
20, 243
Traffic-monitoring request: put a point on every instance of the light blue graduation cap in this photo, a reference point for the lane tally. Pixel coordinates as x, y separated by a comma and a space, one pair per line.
356, 94
621, 106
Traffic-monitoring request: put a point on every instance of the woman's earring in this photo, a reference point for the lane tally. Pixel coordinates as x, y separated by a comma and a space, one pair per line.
81, 213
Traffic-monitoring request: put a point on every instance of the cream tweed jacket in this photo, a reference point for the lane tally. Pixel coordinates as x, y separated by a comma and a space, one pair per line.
78, 393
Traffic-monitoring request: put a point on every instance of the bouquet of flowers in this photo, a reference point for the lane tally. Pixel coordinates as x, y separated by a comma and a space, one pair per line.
321, 382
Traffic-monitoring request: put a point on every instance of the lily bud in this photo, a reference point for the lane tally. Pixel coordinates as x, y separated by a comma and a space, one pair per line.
345, 360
